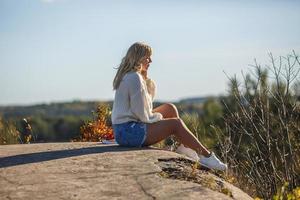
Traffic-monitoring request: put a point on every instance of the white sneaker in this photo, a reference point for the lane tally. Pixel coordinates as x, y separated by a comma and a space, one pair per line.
188, 152
212, 162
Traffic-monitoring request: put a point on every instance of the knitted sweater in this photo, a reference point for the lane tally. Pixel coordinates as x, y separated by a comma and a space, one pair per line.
133, 100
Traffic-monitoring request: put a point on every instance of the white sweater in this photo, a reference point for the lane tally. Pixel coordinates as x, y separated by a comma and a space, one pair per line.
133, 100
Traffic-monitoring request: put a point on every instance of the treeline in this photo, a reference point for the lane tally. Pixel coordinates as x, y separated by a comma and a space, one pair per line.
50, 122
57, 122
52, 110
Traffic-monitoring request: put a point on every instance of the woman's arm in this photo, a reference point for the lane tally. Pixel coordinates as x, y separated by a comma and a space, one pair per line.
139, 103
151, 87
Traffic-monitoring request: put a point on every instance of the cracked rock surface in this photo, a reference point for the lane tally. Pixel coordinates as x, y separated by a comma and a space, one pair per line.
92, 170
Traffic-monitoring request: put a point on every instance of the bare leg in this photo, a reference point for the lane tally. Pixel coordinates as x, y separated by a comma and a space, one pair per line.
168, 110
160, 130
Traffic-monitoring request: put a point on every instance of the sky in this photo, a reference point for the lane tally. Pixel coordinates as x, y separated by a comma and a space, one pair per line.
66, 50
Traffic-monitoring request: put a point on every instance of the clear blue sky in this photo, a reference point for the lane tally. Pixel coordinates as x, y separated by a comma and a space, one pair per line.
64, 50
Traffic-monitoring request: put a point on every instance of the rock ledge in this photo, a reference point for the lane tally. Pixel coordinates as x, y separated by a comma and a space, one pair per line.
96, 171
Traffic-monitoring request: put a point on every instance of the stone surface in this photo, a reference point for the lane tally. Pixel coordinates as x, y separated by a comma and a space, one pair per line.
94, 171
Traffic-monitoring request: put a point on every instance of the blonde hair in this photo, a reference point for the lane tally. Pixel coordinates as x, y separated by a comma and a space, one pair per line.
132, 61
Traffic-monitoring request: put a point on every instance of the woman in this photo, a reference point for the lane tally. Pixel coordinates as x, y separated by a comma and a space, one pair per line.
135, 122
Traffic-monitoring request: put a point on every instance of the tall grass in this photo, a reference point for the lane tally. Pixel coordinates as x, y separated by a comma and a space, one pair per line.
8, 133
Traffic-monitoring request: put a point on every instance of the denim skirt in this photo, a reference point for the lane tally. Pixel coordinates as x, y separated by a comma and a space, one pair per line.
130, 134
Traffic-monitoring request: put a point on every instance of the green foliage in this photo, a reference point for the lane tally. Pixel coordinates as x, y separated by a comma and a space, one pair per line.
42, 128
52, 110
200, 124
66, 128
212, 112
51, 122
283, 193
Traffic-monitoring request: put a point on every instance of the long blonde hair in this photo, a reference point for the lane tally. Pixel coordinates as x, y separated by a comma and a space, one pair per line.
132, 61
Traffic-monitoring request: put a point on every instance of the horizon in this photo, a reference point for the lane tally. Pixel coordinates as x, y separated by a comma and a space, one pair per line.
66, 50
96, 100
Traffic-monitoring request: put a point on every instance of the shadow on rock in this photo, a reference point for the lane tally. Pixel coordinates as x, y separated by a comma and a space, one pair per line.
58, 154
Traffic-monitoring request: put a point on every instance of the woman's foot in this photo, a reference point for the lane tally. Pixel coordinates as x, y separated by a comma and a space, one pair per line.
212, 162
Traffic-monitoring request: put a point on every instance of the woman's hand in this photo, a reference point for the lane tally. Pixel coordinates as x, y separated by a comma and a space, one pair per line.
144, 74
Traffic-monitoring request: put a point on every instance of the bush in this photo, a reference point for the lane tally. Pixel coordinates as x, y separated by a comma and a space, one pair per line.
262, 126
8, 133
99, 128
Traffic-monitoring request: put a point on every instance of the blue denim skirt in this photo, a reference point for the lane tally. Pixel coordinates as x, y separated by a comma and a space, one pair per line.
130, 134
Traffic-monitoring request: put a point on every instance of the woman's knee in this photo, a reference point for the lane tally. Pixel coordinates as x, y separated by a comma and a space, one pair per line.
173, 109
